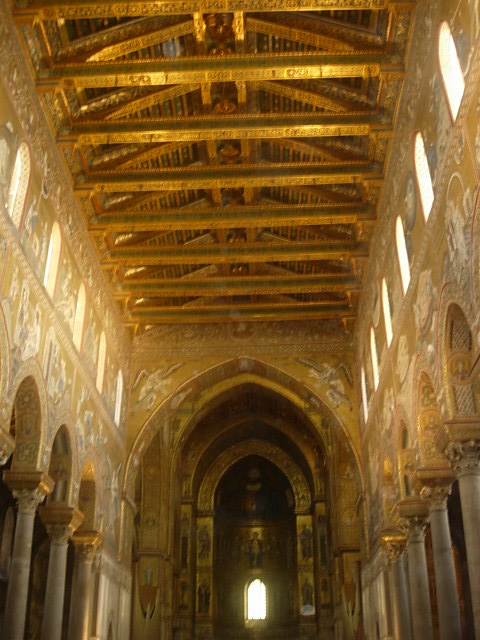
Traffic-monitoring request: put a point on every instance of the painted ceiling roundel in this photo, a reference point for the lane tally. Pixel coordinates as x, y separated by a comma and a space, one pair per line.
228, 157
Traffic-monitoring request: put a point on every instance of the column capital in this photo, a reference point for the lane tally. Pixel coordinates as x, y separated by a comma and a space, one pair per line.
28, 487
7, 445
459, 440
87, 543
434, 485
394, 542
413, 517
60, 520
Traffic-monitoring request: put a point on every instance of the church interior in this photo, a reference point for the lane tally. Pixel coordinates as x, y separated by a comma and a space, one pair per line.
239, 320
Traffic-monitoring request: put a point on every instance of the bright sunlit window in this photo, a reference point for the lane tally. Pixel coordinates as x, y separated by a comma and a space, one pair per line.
102, 353
387, 313
17, 190
402, 255
53, 260
363, 385
256, 601
79, 317
118, 398
450, 69
424, 178
374, 355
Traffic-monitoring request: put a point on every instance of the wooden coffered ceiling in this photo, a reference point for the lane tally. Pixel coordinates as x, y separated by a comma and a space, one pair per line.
228, 155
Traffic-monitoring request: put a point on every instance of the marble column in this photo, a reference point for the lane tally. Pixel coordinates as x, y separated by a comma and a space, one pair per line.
394, 541
460, 441
86, 545
414, 518
434, 485
29, 488
60, 521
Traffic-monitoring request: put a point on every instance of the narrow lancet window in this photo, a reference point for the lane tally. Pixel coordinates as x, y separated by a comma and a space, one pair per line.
450, 69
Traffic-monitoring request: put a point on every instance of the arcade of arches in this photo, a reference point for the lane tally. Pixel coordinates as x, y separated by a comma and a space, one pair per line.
239, 320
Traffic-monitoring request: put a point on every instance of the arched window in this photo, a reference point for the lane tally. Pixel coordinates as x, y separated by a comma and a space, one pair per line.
102, 352
450, 69
387, 314
79, 317
363, 385
256, 600
374, 356
17, 189
53, 260
424, 179
402, 254
118, 398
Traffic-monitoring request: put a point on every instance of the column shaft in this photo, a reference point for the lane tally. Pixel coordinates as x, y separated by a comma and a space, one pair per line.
401, 610
80, 605
469, 488
419, 589
17, 593
445, 582
55, 590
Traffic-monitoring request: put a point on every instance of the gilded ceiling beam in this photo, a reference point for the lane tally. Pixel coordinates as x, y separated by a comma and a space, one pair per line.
154, 98
228, 127
307, 97
229, 176
231, 286
70, 9
319, 40
230, 68
82, 46
235, 253
129, 45
251, 217
254, 311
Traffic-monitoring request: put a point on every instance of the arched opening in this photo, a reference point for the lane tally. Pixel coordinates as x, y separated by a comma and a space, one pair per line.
60, 466
252, 501
87, 498
254, 544
256, 599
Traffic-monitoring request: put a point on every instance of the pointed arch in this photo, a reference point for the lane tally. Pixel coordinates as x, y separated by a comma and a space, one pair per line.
30, 411
87, 497
60, 468
292, 472
215, 381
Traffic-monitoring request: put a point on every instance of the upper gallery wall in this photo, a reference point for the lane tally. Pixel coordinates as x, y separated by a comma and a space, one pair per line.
416, 339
